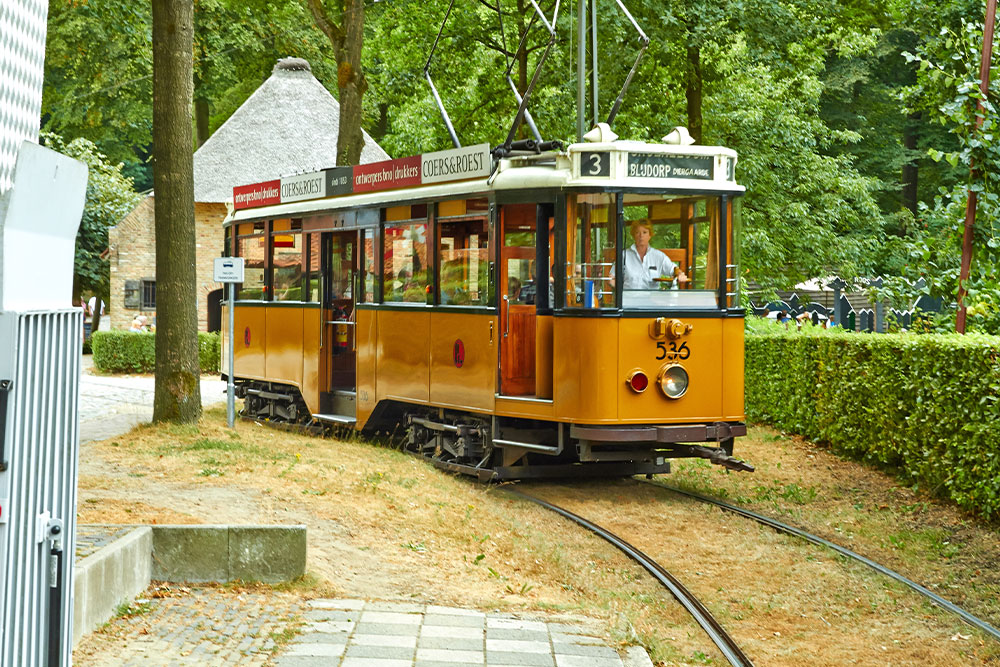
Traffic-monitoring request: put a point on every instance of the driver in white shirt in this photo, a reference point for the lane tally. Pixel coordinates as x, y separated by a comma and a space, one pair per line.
643, 263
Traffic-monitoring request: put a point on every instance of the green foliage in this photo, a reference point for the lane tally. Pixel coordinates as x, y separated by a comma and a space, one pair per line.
109, 199
131, 352
927, 406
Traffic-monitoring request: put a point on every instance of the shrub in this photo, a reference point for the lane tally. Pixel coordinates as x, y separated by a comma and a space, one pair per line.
131, 352
926, 405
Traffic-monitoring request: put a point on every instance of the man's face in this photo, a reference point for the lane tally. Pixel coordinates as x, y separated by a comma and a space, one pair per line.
641, 236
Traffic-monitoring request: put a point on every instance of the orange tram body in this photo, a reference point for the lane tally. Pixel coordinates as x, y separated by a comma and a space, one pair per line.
472, 303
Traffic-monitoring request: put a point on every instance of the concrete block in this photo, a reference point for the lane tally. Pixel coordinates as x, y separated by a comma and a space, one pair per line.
271, 554
196, 554
114, 574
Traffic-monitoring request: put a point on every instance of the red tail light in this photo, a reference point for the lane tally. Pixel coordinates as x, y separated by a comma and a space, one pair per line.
638, 381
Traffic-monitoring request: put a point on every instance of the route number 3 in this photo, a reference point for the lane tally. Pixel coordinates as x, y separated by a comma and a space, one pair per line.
595, 164
671, 351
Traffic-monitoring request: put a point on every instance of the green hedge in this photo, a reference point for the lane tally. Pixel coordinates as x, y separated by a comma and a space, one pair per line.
130, 352
927, 405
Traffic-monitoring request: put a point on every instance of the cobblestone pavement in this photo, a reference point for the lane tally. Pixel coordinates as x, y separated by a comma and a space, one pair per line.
91, 538
194, 626
112, 404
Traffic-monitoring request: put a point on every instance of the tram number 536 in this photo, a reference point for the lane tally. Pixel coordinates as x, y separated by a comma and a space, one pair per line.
671, 351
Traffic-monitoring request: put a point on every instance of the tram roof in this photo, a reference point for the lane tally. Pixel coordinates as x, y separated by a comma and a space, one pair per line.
470, 172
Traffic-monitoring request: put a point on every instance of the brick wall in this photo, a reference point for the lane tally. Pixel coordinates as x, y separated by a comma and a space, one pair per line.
133, 258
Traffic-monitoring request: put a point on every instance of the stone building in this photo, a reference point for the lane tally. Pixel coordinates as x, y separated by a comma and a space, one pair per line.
289, 125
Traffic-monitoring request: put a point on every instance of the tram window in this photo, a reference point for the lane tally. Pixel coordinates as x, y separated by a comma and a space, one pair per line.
314, 277
404, 272
286, 261
682, 235
368, 264
590, 251
463, 256
253, 250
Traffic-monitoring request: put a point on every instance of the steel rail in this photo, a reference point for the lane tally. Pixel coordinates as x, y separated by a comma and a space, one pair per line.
843, 551
693, 605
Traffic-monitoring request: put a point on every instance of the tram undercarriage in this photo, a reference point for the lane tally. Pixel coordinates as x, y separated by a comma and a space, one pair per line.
502, 448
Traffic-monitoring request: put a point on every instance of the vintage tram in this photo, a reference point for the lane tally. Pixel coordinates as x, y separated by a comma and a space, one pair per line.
470, 303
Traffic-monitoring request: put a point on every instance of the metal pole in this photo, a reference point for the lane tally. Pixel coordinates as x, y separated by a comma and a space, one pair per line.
970, 206
593, 59
230, 387
581, 59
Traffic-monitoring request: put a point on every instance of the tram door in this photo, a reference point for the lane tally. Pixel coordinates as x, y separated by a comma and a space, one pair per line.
518, 290
338, 321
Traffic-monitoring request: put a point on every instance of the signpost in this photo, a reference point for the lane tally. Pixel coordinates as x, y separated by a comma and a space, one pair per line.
230, 270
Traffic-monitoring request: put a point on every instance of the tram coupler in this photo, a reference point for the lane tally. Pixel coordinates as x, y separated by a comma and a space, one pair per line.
719, 457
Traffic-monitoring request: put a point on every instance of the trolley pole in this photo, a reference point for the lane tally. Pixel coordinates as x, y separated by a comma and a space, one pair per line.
229, 271
970, 206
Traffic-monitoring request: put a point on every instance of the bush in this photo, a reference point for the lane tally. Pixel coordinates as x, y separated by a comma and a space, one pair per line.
131, 352
926, 405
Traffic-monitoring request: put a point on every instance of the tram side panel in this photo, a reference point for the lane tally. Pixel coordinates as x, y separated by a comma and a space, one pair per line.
733, 407
463, 361
250, 345
700, 352
283, 349
313, 359
403, 356
367, 343
585, 369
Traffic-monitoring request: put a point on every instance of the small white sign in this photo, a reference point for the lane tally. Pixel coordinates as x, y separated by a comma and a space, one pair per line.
228, 269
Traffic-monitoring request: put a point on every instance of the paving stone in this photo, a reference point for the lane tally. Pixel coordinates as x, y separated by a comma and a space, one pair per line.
519, 659
387, 629
515, 624
451, 642
587, 661
390, 618
457, 620
330, 627
583, 649
449, 655
399, 641
517, 646
375, 662
331, 615
508, 633
453, 611
563, 638
405, 607
450, 631
381, 652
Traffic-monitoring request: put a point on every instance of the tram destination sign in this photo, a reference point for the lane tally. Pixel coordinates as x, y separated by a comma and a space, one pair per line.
655, 165
457, 164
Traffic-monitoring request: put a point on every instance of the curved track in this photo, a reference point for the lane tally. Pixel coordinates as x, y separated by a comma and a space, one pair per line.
715, 631
791, 530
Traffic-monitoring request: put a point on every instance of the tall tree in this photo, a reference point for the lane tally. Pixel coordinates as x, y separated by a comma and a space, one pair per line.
177, 390
345, 28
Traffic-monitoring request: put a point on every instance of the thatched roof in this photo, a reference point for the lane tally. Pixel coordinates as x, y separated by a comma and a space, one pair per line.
288, 126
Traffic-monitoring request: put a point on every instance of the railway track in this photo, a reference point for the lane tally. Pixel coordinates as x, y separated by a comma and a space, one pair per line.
792, 530
726, 644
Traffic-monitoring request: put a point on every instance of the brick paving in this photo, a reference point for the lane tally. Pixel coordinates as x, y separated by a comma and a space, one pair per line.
91, 538
194, 626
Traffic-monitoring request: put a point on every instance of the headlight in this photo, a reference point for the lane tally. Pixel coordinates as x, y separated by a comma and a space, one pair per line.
673, 381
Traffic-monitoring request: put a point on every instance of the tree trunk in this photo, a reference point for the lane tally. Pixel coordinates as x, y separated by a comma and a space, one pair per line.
693, 92
351, 84
177, 396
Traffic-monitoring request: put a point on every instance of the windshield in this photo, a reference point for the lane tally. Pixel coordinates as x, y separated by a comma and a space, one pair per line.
671, 253
669, 256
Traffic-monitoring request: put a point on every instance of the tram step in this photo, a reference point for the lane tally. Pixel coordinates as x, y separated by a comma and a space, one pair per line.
338, 402
336, 419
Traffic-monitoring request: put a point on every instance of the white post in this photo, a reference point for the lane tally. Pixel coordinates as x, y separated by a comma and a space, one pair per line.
230, 387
